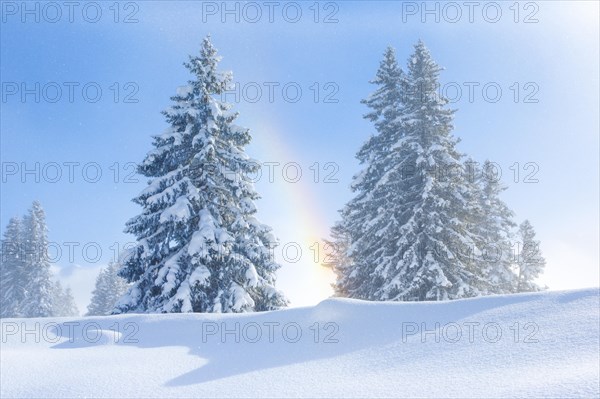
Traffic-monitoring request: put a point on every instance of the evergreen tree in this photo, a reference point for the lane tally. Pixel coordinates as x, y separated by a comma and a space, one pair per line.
530, 262
12, 290
26, 286
69, 308
110, 287
63, 303
370, 215
411, 221
36, 279
492, 221
200, 247
337, 257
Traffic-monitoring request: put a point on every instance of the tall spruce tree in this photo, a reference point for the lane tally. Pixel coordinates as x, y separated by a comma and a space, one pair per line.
12, 290
200, 247
369, 216
25, 281
36, 277
109, 288
530, 262
410, 223
495, 228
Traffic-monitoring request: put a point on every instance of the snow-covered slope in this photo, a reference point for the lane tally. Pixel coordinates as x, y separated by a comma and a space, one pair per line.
548, 347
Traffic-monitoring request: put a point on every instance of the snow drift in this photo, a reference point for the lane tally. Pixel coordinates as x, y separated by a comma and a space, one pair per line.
541, 344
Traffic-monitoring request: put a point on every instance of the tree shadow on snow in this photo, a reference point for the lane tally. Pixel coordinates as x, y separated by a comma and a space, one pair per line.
270, 339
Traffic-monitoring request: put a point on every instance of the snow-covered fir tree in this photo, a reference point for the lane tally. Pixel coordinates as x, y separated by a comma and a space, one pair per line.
109, 288
200, 247
337, 256
369, 216
25, 282
530, 262
69, 308
37, 283
494, 226
12, 267
63, 303
410, 223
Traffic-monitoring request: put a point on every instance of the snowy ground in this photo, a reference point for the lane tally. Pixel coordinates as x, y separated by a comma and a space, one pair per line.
548, 347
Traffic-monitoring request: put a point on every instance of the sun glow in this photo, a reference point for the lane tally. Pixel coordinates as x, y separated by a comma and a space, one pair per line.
292, 208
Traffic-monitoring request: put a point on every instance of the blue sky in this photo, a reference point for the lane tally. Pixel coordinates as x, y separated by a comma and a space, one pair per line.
553, 60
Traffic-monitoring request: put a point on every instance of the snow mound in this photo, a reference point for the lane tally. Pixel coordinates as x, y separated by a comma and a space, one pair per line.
527, 345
